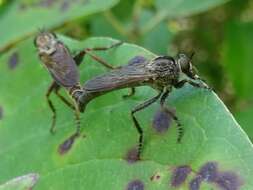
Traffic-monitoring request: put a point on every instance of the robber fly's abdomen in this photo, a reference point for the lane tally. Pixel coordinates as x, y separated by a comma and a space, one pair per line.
90, 94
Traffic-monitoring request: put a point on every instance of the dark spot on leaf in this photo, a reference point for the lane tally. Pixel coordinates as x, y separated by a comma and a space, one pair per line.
67, 144
161, 121
1, 112
22, 6
135, 185
137, 60
209, 171
132, 155
47, 3
195, 183
228, 181
155, 177
179, 175
13, 60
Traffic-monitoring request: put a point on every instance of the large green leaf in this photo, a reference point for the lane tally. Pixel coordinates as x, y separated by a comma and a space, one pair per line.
97, 159
24, 17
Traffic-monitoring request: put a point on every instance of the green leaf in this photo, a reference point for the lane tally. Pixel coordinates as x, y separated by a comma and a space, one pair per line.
97, 159
175, 8
27, 16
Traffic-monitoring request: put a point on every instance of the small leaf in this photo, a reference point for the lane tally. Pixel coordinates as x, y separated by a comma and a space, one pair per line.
21, 183
25, 17
176, 8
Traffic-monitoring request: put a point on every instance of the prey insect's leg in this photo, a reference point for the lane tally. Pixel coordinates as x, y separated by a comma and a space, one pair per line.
79, 57
198, 85
51, 88
78, 122
131, 93
54, 87
63, 99
136, 123
174, 117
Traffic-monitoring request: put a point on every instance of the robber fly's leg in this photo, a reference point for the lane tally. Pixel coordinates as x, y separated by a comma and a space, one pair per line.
79, 57
105, 48
172, 114
136, 123
51, 88
131, 93
197, 85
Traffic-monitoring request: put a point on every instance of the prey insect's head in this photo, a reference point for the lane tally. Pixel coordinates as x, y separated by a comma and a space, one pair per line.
46, 42
186, 66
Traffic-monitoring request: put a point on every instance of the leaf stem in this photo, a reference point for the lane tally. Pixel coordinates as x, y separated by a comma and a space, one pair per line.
159, 17
117, 25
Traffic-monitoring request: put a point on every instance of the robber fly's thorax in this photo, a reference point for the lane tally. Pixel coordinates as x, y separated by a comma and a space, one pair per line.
166, 70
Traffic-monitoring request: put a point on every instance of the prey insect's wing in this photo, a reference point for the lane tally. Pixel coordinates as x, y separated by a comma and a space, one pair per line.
133, 74
62, 67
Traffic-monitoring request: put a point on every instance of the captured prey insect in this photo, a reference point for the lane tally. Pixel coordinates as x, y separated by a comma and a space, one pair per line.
57, 58
161, 73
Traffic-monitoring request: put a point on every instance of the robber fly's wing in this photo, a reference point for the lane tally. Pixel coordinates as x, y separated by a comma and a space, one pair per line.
63, 67
127, 76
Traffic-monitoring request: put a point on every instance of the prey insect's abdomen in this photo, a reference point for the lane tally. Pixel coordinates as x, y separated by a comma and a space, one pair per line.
62, 67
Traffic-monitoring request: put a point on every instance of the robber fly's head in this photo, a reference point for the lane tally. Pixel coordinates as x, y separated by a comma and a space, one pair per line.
186, 65
45, 42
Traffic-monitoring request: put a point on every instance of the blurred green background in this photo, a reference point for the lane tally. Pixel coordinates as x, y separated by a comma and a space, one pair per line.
220, 33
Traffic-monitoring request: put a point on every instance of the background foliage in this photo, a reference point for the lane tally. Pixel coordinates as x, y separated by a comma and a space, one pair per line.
220, 32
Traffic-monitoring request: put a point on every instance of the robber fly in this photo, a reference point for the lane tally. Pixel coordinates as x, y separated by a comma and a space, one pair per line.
161, 73
62, 66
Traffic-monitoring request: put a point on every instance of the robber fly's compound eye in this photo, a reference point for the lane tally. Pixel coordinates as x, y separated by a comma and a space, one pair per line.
45, 42
184, 62
186, 66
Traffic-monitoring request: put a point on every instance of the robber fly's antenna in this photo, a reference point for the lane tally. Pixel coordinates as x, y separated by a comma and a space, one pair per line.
195, 69
42, 29
192, 54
